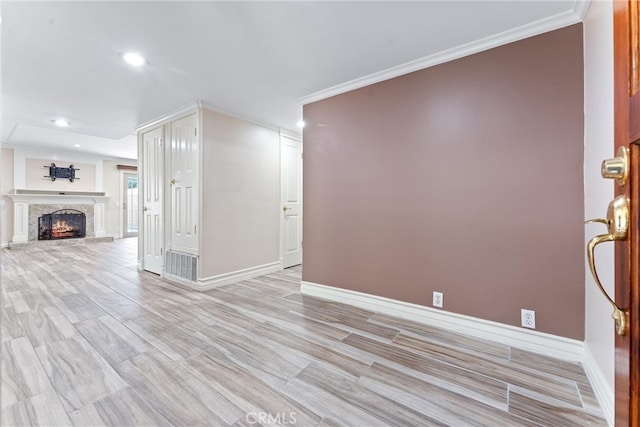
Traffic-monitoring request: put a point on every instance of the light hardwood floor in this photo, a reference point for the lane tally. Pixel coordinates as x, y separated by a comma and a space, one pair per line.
88, 340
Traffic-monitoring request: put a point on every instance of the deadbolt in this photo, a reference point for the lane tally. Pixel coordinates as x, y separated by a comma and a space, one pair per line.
618, 167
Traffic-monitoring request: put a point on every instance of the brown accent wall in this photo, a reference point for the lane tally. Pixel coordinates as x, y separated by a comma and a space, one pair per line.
465, 178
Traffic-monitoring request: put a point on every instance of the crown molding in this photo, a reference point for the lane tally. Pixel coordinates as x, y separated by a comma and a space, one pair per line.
187, 108
215, 109
292, 135
271, 126
564, 19
199, 104
580, 8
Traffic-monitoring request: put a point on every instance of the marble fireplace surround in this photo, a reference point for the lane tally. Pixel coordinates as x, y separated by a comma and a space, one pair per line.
28, 205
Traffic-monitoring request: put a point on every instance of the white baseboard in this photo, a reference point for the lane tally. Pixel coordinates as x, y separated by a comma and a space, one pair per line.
20, 239
534, 341
604, 393
4, 244
233, 277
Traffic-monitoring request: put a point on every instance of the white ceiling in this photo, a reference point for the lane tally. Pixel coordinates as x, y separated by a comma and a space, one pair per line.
257, 60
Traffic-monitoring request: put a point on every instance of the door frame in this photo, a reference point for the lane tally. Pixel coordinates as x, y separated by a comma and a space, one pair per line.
627, 253
142, 231
123, 204
282, 195
193, 118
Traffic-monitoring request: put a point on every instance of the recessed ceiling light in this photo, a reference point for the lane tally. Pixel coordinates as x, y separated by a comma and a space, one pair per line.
76, 145
134, 59
300, 124
61, 122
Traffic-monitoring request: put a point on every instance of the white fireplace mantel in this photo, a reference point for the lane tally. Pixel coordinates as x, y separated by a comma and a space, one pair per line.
22, 198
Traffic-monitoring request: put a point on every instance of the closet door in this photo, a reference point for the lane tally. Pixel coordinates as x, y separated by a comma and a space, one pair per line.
291, 176
152, 191
183, 176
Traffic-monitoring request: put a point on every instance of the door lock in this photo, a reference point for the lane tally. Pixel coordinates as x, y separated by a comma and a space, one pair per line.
617, 223
618, 167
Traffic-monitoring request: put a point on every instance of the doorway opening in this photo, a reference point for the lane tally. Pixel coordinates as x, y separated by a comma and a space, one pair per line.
130, 205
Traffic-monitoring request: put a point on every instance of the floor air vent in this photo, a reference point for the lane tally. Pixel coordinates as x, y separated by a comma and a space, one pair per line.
184, 266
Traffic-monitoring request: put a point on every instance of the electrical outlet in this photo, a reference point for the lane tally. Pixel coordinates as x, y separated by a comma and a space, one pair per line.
528, 318
438, 299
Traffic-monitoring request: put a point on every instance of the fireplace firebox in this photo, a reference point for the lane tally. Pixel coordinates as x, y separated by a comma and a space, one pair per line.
62, 224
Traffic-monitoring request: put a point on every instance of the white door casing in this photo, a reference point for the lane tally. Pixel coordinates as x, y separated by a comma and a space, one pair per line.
183, 176
291, 175
153, 167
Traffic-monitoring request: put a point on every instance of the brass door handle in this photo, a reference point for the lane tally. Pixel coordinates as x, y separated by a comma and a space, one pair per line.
618, 226
173, 181
286, 209
145, 209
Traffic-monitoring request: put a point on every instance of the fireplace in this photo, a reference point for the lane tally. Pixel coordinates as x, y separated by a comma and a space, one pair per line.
62, 224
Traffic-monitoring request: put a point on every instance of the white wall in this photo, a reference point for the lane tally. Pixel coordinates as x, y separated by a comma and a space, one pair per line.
24, 169
6, 185
598, 65
36, 176
240, 196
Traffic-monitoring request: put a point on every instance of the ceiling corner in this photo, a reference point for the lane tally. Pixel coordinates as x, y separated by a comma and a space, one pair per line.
580, 8
8, 130
550, 23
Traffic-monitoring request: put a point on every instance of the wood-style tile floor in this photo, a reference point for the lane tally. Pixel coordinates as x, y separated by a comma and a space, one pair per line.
88, 340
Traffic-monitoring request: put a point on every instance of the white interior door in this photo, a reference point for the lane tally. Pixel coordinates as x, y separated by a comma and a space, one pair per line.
291, 152
184, 179
153, 167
